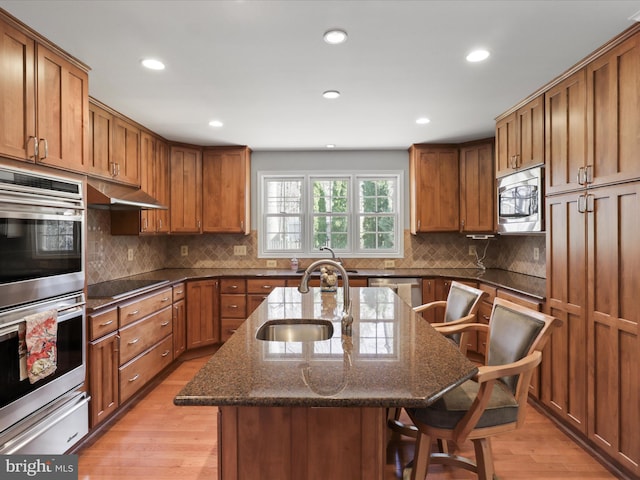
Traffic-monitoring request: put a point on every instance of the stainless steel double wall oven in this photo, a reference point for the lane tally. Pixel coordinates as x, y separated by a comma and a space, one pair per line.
42, 224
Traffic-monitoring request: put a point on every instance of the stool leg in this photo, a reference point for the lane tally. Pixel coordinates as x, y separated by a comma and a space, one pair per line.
484, 459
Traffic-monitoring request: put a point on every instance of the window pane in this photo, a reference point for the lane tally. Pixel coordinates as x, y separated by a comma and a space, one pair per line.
284, 233
331, 231
284, 196
330, 196
377, 233
376, 196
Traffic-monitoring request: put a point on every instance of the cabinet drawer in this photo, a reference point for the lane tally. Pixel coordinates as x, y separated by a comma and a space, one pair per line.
139, 336
142, 306
233, 285
135, 374
233, 306
102, 323
228, 327
527, 302
484, 312
178, 291
264, 285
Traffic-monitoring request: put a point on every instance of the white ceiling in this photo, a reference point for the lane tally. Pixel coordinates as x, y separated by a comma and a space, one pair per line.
261, 66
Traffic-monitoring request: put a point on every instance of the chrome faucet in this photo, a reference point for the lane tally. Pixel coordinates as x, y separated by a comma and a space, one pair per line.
347, 319
333, 255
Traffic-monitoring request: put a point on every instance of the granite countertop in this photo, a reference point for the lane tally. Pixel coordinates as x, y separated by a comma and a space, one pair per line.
517, 282
392, 359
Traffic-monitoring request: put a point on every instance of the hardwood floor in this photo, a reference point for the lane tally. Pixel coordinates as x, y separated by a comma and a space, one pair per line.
156, 440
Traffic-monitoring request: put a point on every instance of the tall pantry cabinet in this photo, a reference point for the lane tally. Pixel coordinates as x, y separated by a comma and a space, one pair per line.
592, 136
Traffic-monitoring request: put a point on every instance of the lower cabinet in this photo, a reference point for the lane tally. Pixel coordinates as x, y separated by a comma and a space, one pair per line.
203, 315
179, 320
129, 344
295, 443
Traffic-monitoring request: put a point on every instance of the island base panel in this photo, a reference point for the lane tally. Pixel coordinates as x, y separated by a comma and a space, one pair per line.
297, 443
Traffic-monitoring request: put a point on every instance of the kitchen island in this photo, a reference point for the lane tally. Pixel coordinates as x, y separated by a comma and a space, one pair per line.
317, 409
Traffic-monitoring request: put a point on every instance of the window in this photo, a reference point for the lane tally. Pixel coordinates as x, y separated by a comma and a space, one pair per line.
357, 215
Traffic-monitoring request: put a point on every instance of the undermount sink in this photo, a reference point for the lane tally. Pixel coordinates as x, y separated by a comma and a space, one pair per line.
295, 330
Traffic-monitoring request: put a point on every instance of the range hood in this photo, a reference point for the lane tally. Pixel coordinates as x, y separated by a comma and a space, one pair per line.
112, 196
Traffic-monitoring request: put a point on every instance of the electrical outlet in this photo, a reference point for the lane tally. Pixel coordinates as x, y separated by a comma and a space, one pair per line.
271, 264
472, 250
240, 250
536, 253
389, 264
184, 250
130, 254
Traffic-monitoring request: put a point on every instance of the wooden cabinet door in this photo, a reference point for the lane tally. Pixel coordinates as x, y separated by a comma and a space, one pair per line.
99, 139
147, 180
161, 186
530, 134
17, 94
186, 190
434, 181
506, 144
565, 134
126, 152
225, 190
564, 369
477, 190
63, 112
613, 316
613, 123
203, 326
103, 377
179, 328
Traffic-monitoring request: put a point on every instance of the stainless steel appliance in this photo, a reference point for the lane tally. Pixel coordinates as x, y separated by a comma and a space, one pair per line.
41, 236
414, 284
521, 202
42, 222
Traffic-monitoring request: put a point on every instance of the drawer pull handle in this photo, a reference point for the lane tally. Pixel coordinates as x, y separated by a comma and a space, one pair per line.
232, 330
72, 437
165, 299
134, 378
266, 287
233, 306
165, 353
135, 312
164, 324
104, 324
179, 292
233, 287
134, 341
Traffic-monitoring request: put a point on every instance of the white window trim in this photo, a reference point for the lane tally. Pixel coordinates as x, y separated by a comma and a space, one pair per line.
307, 225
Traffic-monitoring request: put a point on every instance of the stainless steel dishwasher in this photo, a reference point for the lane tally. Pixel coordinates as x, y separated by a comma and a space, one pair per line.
415, 285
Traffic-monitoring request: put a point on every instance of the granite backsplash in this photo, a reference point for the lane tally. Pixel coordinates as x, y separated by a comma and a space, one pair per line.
107, 255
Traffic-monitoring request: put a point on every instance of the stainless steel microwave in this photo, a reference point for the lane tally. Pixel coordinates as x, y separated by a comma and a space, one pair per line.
521, 202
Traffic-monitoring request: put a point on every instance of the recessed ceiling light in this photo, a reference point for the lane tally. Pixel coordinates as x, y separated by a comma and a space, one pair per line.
422, 121
152, 64
330, 145
215, 123
335, 36
331, 94
477, 56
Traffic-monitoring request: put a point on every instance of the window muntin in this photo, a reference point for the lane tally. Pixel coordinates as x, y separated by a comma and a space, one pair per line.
356, 215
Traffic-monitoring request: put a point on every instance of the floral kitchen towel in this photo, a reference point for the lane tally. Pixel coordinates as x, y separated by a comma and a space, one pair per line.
40, 335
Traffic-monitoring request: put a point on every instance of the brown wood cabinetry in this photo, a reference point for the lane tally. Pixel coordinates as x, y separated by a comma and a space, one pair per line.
434, 188
258, 289
226, 190
203, 315
186, 190
100, 143
128, 347
290, 443
45, 100
233, 305
125, 156
477, 189
179, 320
520, 138
154, 180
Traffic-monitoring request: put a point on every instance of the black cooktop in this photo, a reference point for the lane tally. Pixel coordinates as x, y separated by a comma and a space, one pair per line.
120, 288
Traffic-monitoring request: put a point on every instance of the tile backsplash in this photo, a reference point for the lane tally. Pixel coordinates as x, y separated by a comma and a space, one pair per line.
107, 255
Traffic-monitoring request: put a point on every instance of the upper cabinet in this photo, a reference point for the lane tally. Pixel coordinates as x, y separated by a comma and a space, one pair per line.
226, 190
154, 180
45, 102
433, 185
520, 138
125, 157
186, 190
565, 134
477, 187
613, 122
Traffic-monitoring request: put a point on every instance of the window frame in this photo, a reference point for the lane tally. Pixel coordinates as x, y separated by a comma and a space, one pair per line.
353, 215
